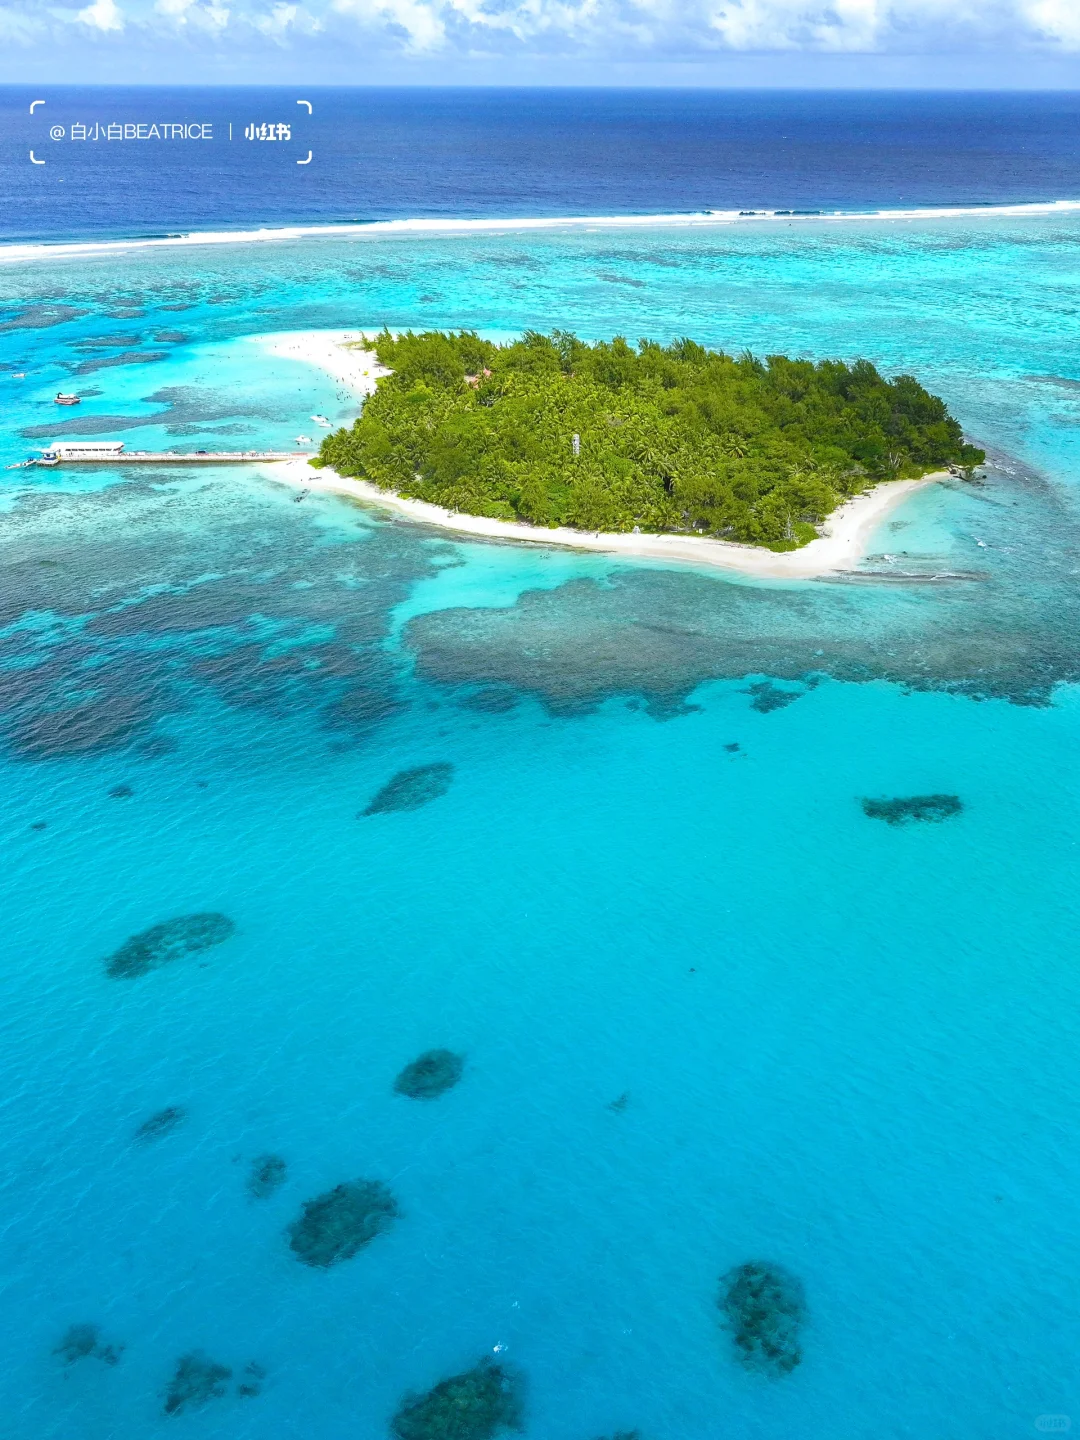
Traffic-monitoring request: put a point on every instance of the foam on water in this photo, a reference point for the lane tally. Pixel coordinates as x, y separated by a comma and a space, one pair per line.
711, 1011
13, 253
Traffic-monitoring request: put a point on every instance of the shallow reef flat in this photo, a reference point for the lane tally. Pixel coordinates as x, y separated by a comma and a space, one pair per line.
169, 941
158, 601
334, 1226
475, 1405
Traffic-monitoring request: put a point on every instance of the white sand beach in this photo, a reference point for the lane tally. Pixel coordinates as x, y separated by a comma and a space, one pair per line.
845, 538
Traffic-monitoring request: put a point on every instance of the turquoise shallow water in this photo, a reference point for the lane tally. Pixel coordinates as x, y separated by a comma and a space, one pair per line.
839, 1045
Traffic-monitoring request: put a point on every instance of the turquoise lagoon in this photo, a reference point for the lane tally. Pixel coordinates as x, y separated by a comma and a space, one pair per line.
711, 1012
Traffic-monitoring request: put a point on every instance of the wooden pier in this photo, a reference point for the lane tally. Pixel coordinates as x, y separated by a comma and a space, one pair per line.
100, 455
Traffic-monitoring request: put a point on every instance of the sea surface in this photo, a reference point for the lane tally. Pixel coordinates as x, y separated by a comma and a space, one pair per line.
385, 154
711, 1011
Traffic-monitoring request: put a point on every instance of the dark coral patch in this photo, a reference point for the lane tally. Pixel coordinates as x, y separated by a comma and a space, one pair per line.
268, 1173
83, 1342
769, 697
251, 1383
171, 940
475, 1405
337, 1224
163, 1122
197, 1380
409, 789
430, 1075
107, 722
903, 808
764, 1306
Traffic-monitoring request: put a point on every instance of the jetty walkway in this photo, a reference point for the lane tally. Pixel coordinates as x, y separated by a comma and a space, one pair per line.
115, 454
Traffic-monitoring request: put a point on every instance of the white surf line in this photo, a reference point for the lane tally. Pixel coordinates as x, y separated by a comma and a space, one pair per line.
45, 250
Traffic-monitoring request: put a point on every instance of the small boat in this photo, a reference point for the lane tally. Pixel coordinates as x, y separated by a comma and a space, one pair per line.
62, 399
322, 420
304, 440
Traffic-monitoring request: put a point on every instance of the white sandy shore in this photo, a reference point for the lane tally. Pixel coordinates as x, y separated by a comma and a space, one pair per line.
846, 533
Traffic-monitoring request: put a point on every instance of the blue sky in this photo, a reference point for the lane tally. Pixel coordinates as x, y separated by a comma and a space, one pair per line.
986, 43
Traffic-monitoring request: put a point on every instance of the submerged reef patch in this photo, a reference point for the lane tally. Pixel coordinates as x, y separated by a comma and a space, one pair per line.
163, 1122
251, 1383
197, 1380
491, 700
104, 722
409, 789
338, 1223
171, 940
769, 697
268, 1173
764, 1306
475, 1405
430, 1075
902, 808
83, 1342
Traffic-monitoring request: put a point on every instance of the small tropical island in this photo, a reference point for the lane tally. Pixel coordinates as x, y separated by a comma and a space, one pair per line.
673, 440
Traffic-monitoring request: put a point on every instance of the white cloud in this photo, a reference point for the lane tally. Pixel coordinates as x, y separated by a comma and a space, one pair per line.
608, 29
284, 19
103, 15
210, 17
1056, 19
417, 23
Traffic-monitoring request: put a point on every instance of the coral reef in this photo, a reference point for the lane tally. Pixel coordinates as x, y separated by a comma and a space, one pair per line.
475, 1405
268, 1173
769, 697
409, 789
335, 1225
197, 1380
82, 1342
764, 1306
902, 808
430, 1075
162, 1122
491, 700
171, 940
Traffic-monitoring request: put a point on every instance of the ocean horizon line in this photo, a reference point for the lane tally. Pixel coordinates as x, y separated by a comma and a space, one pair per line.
12, 252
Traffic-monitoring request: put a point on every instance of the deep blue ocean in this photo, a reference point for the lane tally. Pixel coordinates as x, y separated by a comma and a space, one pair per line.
385, 154
710, 1011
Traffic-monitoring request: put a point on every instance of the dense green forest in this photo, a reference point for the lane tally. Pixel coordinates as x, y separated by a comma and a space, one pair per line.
668, 438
